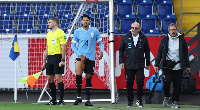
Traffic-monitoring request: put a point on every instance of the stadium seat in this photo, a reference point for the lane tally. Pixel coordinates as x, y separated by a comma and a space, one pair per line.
26, 23
116, 31
166, 22
103, 9
7, 16
65, 21
151, 31
5, 7
44, 11
125, 23
158, 2
43, 25
165, 9
144, 9
124, 9
138, 2
64, 8
26, 26
27, 16
104, 23
23, 7
45, 16
6, 24
148, 23
124, 1
43, 8
9, 30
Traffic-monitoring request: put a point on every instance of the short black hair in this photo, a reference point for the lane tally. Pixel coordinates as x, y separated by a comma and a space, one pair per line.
85, 15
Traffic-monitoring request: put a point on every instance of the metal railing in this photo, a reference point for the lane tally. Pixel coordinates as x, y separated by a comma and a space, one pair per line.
195, 62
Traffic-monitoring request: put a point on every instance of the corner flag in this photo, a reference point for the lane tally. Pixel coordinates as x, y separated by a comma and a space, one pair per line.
31, 80
14, 52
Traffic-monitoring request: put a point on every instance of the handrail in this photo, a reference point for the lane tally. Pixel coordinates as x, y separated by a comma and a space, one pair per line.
194, 64
192, 28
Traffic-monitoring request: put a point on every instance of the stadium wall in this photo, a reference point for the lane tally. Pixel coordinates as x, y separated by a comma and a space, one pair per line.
31, 57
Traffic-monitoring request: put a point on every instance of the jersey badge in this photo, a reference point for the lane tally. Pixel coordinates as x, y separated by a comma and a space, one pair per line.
92, 34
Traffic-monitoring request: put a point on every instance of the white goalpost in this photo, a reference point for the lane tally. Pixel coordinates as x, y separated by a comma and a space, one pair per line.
32, 38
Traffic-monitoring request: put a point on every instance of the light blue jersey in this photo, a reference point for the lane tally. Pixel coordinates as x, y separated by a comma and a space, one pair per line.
86, 40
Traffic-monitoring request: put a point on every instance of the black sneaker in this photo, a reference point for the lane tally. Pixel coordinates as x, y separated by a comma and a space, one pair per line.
77, 101
139, 104
51, 103
130, 104
87, 103
61, 103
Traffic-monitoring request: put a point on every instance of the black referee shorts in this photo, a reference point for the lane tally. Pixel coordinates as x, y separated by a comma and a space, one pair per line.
52, 65
89, 66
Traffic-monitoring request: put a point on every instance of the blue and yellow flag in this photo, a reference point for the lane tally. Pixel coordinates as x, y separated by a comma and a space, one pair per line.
14, 52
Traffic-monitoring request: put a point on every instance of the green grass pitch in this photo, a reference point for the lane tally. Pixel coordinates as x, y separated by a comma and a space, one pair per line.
69, 106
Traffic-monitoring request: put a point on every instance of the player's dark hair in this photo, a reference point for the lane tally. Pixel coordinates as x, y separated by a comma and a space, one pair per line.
85, 15
55, 19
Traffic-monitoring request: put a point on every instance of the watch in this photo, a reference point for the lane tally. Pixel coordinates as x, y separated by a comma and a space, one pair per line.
63, 60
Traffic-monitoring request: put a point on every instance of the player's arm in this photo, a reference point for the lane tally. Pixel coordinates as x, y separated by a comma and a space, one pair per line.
45, 57
62, 62
63, 47
74, 42
99, 39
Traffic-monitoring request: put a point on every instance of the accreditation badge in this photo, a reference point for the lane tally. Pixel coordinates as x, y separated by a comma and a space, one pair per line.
53, 41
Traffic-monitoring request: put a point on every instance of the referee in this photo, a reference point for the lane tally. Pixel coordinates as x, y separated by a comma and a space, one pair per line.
54, 59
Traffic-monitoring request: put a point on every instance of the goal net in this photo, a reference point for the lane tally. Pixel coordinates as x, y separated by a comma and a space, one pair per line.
29, 21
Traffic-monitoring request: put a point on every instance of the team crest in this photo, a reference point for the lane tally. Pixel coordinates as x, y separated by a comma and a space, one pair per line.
92, 34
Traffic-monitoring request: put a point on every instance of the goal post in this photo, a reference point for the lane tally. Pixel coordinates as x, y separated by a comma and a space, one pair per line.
33, 37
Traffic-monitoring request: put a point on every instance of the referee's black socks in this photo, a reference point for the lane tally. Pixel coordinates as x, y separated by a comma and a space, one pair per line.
78, 85
61, 90
52, 87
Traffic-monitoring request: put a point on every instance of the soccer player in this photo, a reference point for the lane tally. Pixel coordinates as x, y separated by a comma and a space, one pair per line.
86, 38
54, 59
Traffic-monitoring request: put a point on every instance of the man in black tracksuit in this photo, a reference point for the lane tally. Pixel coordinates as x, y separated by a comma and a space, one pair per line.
134, 45
173, 47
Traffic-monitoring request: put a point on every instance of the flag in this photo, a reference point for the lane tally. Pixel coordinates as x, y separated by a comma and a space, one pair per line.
31, 80
14, 52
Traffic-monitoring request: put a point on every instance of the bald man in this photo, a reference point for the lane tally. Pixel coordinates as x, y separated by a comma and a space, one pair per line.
134, 45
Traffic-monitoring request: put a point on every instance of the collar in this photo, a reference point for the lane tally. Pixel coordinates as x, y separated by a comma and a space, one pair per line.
55, 30
178, 34
135, 36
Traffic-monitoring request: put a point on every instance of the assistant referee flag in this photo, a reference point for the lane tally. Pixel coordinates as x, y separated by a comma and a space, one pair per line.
14, 52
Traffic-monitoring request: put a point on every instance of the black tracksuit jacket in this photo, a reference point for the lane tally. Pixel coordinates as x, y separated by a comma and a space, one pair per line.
134, 56
163, 50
